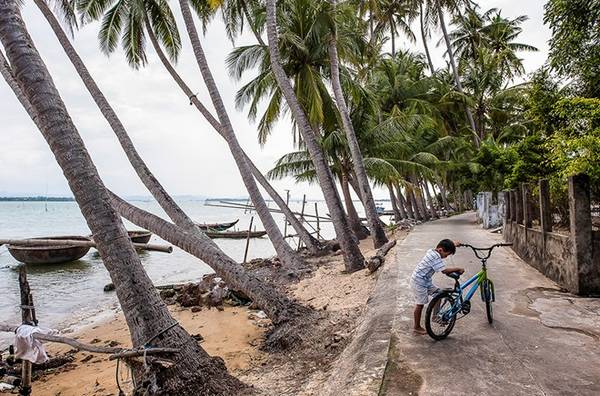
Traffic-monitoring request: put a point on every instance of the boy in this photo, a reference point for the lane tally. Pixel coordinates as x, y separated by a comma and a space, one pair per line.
420, 281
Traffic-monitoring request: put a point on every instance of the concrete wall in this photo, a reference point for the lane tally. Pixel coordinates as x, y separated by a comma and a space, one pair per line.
489, 215
549, 253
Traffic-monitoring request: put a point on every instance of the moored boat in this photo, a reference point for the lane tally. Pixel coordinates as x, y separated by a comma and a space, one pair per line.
50, 254
216, 226
140, 236
235, 234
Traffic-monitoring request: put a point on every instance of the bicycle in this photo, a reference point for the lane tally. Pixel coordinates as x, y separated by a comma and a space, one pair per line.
446, 305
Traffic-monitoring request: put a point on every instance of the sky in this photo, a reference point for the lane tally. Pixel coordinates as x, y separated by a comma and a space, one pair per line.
179, 146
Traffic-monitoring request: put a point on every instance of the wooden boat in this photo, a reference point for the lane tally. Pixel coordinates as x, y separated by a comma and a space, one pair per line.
235, 234
140, 236
216, 226
50, 254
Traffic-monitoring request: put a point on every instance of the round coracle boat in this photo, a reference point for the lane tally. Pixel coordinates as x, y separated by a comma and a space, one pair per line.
140, 236
50, 254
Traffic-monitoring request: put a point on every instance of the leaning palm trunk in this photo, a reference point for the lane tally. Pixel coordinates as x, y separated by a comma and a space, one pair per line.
194, 372
156, 189
405, 202
455, 70
429, 199
424, 38
444, 195
401, 203
394, 200
283, 312
377, 232
414, 204
311, 243
353, 219
353, 258
288, 256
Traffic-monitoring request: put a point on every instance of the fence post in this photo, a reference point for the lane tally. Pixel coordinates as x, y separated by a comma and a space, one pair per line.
580, 217
519, 205
545, 209
513, 205
507, 206
526, 205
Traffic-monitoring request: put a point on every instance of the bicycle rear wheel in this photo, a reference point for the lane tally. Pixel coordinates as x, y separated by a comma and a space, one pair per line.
487, 288
439, 321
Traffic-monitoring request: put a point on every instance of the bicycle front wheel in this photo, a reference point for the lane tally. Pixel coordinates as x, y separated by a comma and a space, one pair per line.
439, 319
487, 288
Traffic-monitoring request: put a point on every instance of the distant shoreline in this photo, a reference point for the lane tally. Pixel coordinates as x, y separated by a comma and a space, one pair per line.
36, 199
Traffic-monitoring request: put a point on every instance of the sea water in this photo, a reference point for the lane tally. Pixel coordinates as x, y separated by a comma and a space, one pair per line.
71, 294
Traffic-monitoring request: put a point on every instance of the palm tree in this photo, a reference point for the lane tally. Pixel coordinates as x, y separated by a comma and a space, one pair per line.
283, 249
435, 12
395, 16
424, 35
156, 189
377, 232
136, 18
194, 371
353, 258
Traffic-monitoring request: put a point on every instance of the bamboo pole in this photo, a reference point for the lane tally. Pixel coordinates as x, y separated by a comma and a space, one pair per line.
287, 202
248, 239
318, 223
302, 219
28, 317
69, 242
238, 206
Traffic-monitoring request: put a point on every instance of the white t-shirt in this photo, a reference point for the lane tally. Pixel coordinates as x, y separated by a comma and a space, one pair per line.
430, 264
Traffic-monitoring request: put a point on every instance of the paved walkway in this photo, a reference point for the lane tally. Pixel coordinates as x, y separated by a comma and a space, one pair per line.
542, 342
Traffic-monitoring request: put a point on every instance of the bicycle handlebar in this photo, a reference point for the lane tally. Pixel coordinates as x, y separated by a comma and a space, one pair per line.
476, 250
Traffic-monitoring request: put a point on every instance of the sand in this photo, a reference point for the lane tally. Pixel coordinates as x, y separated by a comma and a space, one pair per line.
230, 334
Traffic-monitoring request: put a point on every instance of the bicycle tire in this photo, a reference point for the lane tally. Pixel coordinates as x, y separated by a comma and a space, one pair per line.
488, 295
438, 299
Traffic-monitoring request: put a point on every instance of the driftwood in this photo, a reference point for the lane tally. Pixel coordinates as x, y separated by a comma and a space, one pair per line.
115, 352
64, 242
379, 258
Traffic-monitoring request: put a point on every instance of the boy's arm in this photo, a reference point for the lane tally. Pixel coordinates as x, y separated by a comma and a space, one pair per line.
453, 269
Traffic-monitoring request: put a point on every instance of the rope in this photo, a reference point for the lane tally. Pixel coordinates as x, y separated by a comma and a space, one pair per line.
147, 343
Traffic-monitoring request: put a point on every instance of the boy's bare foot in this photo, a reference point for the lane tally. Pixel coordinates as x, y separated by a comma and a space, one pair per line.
419, 331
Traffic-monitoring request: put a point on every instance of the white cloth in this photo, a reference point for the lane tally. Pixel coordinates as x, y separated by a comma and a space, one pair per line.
27, 347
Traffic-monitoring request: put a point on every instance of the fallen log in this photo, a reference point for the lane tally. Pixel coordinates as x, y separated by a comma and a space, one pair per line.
115, 352
379, 258
69, 242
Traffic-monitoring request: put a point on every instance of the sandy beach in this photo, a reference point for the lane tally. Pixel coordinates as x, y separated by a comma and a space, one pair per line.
234, 333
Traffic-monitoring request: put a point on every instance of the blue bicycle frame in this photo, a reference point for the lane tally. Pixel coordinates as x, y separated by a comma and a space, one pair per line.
475, 280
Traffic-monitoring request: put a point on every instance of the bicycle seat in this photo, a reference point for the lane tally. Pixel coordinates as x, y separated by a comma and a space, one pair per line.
454, 275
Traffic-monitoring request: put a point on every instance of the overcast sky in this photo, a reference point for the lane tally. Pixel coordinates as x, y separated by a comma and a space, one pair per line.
187, 156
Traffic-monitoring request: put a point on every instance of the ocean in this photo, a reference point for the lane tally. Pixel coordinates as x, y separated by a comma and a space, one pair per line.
67, 296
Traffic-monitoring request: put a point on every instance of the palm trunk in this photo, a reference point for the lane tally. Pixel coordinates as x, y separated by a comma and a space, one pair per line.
421, 202
353, 258
251, 24
430, 199
397, 215
276, 305
415, 206
393, 37
444, 195
454, 69
194, 371
401, 203
377, 232
424, 38
313, 245
353, 219
156, 189
407, 202
288, 256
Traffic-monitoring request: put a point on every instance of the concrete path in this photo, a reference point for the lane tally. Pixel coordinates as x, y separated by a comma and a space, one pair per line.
542, 342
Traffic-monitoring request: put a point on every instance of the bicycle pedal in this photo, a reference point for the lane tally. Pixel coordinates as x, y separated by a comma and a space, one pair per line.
466, 307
